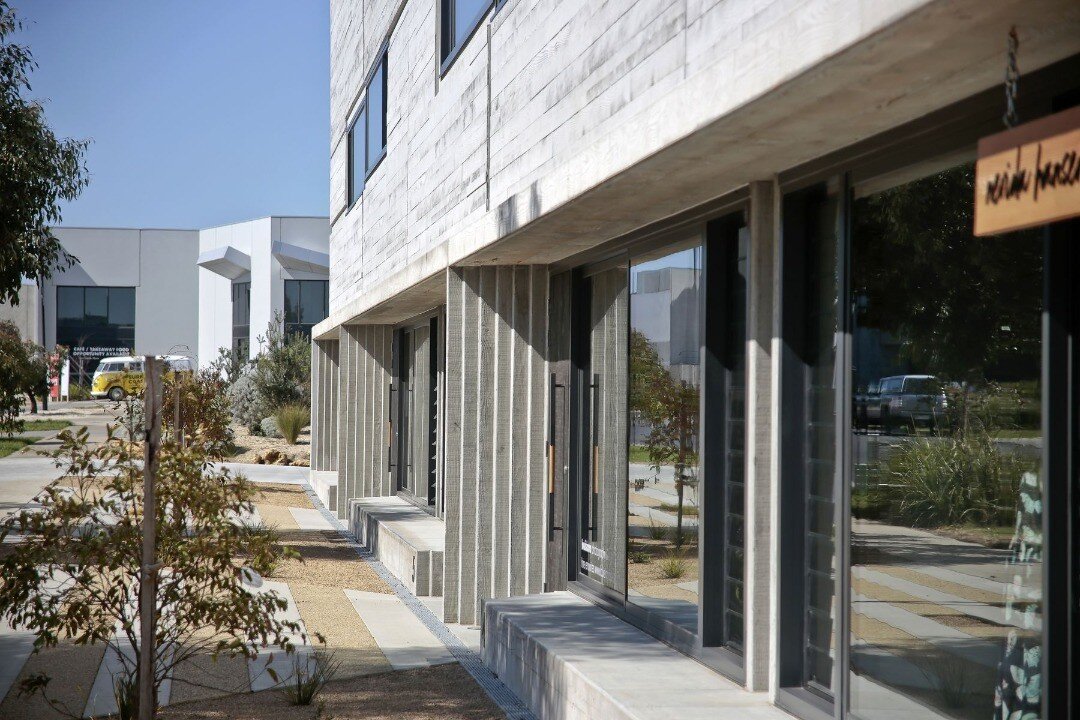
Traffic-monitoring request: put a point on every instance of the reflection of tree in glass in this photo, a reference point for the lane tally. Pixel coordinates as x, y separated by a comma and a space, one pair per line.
961, 305
670, 408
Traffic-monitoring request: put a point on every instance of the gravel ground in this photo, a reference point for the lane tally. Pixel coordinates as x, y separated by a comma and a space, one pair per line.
249, 446
446, 692
364, 686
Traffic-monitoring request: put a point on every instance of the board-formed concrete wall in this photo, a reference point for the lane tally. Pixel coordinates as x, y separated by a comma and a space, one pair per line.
496, 410
324, 404
541, 83
364, 377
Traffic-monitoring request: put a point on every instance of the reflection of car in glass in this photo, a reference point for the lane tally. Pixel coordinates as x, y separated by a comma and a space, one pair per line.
909, 401
118, 377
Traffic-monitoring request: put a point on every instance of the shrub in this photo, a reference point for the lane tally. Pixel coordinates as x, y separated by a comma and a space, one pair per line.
245, 403
283, 368
269, 427
673, 567
310, 675
657, 532
78, 392
291, 419
229, 365
956, 480
204, 410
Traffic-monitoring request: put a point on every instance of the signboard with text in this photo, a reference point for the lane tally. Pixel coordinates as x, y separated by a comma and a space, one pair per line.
1029, 175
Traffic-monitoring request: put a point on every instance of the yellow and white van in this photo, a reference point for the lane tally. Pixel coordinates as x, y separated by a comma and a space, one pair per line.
118, 377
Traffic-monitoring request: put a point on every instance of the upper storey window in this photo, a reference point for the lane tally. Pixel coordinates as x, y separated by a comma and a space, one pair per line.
367, 134
459, 20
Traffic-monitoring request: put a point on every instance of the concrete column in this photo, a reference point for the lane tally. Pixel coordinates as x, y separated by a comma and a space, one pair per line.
324, 387
761, 494
496, 410
362, 414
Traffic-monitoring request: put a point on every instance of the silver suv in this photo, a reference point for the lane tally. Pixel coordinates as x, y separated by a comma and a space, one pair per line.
909, 401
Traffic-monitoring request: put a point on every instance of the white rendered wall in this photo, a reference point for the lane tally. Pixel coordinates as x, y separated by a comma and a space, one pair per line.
255, 239
159, 264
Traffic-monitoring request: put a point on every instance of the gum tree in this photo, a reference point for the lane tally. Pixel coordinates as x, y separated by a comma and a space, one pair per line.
37, 171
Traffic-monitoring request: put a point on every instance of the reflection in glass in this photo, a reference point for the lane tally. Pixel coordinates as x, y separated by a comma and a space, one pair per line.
376, 116
664, 405
946, 505
603, 522
818, 383
305, 305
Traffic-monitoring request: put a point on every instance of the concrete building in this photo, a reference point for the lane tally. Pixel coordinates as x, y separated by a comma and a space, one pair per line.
523, 191
192, 292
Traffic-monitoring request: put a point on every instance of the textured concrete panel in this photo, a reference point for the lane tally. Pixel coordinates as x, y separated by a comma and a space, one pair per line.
496, 400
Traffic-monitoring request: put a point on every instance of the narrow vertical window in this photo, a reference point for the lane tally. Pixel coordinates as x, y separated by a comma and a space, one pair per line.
357, 162
376, 116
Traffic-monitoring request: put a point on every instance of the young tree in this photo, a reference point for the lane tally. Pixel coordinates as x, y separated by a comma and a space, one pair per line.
283, 368
37, 171
77, 576
24, 370
670, 409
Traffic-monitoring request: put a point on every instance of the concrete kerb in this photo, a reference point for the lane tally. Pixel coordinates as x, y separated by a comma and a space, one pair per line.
507, 701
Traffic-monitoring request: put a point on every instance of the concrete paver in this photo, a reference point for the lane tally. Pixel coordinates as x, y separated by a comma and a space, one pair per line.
405, 641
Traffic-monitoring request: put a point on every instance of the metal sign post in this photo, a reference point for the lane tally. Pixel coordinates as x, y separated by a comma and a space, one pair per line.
148, 571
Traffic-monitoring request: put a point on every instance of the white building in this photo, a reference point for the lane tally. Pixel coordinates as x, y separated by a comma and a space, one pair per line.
250, 272
192, 292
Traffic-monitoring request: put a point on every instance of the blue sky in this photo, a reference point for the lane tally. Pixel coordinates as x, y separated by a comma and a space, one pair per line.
200, 112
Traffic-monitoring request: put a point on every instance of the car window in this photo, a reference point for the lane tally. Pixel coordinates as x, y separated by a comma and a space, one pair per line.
105, 368
921, 386
890, 385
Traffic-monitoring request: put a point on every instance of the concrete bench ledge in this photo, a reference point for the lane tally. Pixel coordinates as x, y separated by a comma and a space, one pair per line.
568, 659
407, 540
324, 483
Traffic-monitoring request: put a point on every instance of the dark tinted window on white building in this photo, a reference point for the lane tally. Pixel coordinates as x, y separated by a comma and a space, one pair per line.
306, 304
367, 134
459, 19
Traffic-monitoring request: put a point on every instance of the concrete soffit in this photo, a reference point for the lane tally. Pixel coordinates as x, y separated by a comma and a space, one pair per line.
768, 128
295, 257
226, 261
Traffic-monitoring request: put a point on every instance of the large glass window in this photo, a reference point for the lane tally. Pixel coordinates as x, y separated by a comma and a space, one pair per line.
241, 317
459, 19
809, 449
946, 498
306, 305
367, 134
664, 403
94, 322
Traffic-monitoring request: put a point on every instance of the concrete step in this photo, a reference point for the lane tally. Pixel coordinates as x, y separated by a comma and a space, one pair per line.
325, 482
567, 659
407, 540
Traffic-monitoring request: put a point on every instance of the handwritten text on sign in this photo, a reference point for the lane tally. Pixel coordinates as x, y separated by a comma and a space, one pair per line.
1029, 175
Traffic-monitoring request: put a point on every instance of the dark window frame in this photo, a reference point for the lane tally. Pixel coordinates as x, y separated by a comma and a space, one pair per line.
401, 427
244, 339
291, 327
450, 47
718, 234
357, 183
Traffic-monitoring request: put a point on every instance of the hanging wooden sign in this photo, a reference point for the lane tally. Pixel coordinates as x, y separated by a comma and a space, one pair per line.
1029, 175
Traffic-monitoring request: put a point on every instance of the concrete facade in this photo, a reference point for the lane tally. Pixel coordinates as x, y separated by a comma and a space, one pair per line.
563, 137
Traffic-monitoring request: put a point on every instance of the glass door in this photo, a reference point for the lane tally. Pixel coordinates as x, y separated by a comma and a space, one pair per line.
600, 391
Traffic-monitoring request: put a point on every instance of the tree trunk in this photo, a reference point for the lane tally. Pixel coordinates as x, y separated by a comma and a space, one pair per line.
33, 403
